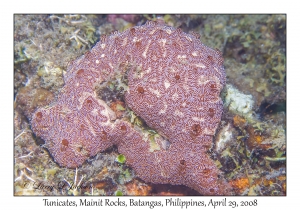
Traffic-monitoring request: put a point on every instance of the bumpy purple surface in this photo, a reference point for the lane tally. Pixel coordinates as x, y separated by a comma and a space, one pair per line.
174, 85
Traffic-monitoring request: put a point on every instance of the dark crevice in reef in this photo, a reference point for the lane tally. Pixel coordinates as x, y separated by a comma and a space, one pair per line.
172, 190
267, 108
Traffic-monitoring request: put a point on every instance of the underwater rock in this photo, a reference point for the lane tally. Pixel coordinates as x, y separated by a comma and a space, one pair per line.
29, 99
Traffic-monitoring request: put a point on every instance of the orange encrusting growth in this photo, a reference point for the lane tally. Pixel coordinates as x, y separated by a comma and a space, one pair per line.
240, 184
174, 85
136, 188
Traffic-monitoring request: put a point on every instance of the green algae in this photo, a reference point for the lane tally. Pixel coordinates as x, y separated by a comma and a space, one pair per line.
118, 193
121, 159
120, 107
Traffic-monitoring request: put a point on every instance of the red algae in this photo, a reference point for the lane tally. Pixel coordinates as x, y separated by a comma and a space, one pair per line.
174, 83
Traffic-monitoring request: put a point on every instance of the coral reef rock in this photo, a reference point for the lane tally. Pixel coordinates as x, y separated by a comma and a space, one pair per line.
174, 83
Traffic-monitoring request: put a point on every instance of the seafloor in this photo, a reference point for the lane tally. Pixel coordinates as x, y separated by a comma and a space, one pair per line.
249, 146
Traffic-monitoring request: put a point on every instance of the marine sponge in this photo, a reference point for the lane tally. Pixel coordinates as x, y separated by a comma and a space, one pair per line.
174, 85
238, 102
